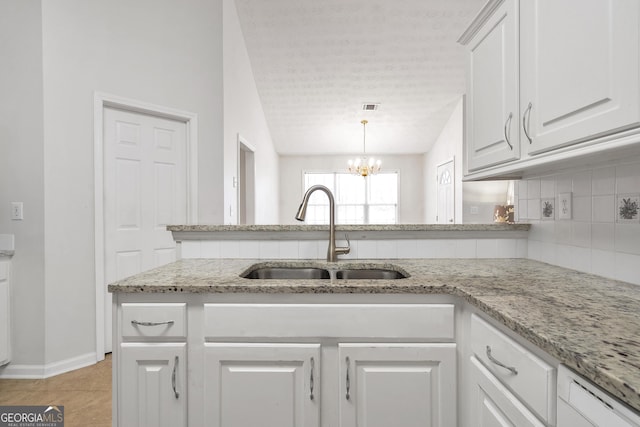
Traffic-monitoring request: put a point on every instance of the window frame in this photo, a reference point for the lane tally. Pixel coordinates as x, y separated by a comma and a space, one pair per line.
366, 205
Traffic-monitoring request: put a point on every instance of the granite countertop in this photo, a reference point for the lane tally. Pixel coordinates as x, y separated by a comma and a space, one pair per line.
343, 228
589, 323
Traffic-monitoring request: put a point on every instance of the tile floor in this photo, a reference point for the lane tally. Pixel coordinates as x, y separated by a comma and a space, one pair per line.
85, 394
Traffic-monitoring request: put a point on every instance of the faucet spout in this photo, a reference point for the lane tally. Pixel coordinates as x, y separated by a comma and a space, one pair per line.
332, 251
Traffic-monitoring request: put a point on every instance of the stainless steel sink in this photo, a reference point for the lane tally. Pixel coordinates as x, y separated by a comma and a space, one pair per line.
287, 273
303, 271
369, 273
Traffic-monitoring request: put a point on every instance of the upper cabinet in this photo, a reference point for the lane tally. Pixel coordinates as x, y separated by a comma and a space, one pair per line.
579, 70
492, 90
575, 84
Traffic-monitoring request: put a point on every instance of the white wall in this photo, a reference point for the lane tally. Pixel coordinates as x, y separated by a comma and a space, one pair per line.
410, 199
594, 240
161, 52
21, 170
448, 146
243, 115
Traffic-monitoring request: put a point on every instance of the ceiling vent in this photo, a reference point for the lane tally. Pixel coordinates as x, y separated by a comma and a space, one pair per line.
370, 107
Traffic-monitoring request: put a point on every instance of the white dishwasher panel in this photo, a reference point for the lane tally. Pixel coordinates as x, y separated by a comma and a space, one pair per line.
582, 404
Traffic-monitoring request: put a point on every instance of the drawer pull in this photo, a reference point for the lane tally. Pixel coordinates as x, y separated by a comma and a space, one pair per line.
348, 381
173, 378
138, 323
513, 370
311, 379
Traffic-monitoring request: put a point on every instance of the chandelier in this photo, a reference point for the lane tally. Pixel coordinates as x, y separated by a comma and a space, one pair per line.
361, 165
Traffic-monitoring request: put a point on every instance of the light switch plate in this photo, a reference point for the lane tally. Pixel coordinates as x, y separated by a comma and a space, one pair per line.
16, 211
564, 206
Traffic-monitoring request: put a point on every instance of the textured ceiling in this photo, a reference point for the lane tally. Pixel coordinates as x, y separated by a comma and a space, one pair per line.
316, 62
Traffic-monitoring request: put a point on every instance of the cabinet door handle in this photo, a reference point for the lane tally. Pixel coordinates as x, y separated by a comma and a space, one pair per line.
526, 116
513, 370
173, 377
507, 125
348, 381
312, 363
136, 322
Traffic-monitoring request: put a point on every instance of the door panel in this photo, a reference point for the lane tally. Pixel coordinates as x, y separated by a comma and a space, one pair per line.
152, 385
409, 385
581, 79
446, 193
145, 189
267, 385
492, 91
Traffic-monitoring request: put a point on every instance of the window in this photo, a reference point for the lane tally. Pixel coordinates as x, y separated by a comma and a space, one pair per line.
371, 200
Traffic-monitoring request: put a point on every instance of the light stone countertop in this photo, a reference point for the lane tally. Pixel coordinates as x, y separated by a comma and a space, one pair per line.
589, 323
355, 232
343, 228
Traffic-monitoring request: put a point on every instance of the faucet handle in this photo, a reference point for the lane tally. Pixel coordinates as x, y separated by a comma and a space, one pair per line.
344, 250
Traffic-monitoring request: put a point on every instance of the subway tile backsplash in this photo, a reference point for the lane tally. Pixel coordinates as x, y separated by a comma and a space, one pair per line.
603, 234
360, 249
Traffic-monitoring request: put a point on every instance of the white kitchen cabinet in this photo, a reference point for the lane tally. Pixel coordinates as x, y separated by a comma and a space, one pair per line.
5, 312
262, 384
152, 385
579, 70
576, 84
287, 349
409, 385
493, 405
150, 365
492, 110
526, 375
377, 384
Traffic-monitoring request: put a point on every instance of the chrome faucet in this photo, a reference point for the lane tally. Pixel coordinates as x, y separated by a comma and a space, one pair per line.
332, 251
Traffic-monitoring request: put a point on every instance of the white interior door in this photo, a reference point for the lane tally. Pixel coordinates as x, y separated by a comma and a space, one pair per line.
145, 189
446, 187
247, 183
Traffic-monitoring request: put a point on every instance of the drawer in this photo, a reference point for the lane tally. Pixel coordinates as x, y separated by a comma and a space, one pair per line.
532, 379
154, 320
394, 321
494, 404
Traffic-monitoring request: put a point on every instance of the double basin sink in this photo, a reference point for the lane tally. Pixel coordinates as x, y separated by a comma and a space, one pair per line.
300, 271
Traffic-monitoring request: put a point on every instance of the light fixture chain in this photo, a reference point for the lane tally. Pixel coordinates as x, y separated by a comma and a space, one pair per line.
364, 137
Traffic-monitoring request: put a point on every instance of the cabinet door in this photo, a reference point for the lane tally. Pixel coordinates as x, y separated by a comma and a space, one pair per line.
267, 385
409, 385
492, 90
579, 70
493, 405
152, 385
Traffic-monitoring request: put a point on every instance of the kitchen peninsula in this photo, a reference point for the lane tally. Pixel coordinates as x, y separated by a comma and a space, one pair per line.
549, 314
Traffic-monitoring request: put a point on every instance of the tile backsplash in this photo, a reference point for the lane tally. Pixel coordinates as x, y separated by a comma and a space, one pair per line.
587, 220
360, 249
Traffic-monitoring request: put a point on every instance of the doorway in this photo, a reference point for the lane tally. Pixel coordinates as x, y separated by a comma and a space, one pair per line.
246, 182
445, 213
145, 179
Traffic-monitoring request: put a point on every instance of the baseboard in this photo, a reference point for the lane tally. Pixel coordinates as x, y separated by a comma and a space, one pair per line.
48, 370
